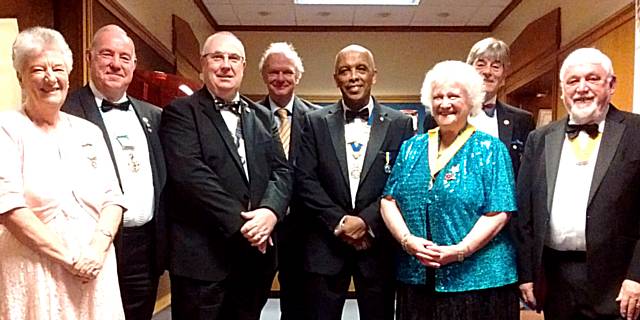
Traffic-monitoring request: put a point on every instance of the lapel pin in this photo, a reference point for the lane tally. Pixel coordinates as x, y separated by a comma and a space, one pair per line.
147, 123
381, 118
506, 122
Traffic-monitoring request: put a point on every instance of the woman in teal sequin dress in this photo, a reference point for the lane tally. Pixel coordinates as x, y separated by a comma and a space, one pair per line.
449, 196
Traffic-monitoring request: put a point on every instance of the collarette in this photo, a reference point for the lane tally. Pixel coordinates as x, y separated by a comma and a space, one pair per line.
368, 106
274, 106
99, 96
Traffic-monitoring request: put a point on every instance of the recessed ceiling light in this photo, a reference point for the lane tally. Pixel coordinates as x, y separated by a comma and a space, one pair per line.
383, 14
443, 14
361, 2
324, 13
264, 13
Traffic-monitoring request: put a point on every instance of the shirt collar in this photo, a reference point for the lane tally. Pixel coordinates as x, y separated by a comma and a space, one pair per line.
368, 106
99, 96
236, 98
274, 106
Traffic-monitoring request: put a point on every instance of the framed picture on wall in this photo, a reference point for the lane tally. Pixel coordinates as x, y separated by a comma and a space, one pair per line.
544, 117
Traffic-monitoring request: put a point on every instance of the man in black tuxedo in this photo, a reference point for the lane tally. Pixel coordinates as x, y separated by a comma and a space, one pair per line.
511, 125
346, 154
281, 69
578, 223
228, 184
130, 129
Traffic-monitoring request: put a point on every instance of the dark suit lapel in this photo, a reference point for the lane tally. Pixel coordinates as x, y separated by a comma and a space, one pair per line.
206, 103
552, 151
505, 124
90, 108
296, 123
335, 124
248, 134
378, 133
613, 130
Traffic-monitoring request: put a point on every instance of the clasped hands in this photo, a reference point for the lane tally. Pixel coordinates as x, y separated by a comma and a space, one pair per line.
353, 230
431, 254
87, 265
258, 227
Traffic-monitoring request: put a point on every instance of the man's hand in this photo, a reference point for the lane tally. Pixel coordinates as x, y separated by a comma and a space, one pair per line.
629, 299
257, 230
363, 243
526, 293
352, 227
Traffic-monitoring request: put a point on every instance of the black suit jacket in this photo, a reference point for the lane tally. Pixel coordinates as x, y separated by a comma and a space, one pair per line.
207, 188
322, 184
82, 103
514, 125
613, 211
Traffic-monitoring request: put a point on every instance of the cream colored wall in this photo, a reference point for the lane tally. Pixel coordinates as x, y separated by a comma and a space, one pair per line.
10, 94
576, 16
157, 17
401, 58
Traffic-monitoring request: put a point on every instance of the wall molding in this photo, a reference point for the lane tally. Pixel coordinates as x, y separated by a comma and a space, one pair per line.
257, 28
139, 29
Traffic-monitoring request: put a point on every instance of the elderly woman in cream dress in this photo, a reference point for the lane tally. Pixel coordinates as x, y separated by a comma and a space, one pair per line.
60, 204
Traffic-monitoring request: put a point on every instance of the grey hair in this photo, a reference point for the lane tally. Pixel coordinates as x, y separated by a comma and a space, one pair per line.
491, 48
449, 72
36, 39
589, 55
288, 51
355, 48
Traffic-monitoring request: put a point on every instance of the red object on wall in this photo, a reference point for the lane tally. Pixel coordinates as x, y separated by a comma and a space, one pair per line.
160, 88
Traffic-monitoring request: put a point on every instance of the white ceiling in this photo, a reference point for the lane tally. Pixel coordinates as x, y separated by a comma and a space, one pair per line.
430, 13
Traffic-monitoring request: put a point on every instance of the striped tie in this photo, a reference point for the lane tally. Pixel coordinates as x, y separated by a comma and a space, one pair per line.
285, 129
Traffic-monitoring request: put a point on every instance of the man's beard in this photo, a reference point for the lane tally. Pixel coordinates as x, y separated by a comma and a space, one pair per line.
589, 114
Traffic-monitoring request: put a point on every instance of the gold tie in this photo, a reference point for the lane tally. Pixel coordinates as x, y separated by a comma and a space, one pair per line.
285, 129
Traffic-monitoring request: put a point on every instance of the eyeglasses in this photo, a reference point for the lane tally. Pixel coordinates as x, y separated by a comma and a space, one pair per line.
220, 57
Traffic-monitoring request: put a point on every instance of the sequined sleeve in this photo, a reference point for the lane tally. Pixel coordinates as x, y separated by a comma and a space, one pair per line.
498, 180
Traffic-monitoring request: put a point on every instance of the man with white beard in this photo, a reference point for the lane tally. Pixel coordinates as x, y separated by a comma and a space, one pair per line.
578, 224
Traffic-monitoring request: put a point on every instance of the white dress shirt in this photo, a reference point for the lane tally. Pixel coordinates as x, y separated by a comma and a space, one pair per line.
275, 107
485, 123
568, 218
356, 133
131, 152
231, 120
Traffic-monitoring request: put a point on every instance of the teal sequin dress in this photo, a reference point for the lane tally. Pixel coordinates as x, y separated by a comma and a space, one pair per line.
477, 180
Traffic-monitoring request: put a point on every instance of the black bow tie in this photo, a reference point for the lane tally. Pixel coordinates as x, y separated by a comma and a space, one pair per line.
108, 105
574, 129
489, 109
233, 106
362, 114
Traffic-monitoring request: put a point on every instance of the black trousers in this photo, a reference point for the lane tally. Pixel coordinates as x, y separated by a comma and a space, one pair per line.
567, 287
291, 269
325, 295
241, 296
137, 274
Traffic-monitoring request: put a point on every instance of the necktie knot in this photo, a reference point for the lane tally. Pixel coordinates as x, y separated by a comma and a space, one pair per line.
489, 109
233, 106
282, 113
574, 129
363, 114
108, 105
